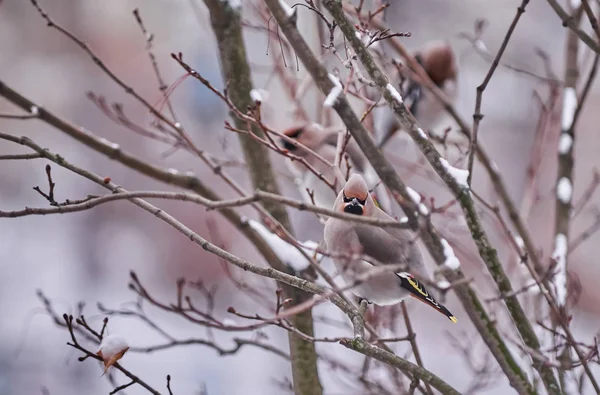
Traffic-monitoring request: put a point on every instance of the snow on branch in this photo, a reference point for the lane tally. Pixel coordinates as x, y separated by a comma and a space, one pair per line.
451, 261
569, 108
395, 94
564, 190
334, 92
459, 175
560, 278
414, 195
288, 253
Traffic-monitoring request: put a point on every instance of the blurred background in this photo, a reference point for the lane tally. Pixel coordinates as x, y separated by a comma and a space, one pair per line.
87, 256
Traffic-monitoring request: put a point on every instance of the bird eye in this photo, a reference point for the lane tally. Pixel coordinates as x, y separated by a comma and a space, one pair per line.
346, 199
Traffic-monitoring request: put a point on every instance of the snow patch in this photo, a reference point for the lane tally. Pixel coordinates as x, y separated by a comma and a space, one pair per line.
569, 107
395, 94
284, 250
520, 242
234, 3
422, 134
417, 199
34, 110
565, 143
564, 190
112, 145
229, 322
335, 91
560, 278
480, 45
112, 344
451, 261
443, 284
459, 175
256, 96
289, 11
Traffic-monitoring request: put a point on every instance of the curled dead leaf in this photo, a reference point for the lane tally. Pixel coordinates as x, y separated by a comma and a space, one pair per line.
112, 348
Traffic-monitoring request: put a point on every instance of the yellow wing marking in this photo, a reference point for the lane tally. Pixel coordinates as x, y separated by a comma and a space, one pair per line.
415, 284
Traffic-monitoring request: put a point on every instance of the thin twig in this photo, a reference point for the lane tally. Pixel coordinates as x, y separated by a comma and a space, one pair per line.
413, 342
20, 157
161, 83
169, 384
477, 115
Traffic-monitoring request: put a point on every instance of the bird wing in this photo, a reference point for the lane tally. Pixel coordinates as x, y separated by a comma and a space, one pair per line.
394, 245
418, 291
412, 97
382, 245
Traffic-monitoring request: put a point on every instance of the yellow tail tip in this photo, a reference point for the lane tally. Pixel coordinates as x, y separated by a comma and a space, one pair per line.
453, 319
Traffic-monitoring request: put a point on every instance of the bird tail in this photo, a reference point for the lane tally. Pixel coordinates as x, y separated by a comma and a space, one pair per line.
418, 291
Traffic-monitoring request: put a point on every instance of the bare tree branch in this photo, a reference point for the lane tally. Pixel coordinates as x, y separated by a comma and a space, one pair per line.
573, 25
305, 285
387, 174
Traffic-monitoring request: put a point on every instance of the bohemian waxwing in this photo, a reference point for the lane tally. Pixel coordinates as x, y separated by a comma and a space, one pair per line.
438, 60
323, 141
385, 245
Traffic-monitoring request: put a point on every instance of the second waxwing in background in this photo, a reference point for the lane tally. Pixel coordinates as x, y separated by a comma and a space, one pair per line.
438, 60
345, 240
323, 141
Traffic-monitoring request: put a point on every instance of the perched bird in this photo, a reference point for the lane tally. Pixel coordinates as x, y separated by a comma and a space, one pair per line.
386, 245
438, 60
323, 141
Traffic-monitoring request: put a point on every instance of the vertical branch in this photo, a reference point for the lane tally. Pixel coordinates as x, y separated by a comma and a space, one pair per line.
226, 24
564, 179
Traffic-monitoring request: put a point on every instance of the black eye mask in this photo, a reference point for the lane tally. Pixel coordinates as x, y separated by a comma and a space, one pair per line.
290, 146
355, 206
348, 200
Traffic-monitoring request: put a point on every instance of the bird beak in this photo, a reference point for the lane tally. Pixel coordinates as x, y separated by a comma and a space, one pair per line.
355, 202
